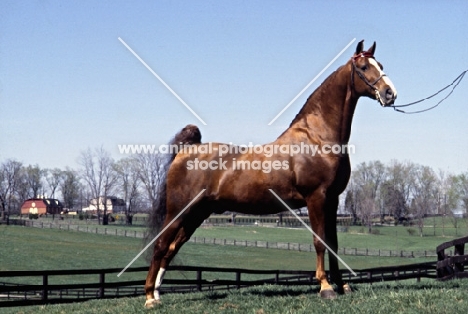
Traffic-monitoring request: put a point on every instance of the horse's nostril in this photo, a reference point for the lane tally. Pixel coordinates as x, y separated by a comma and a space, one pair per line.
389, 93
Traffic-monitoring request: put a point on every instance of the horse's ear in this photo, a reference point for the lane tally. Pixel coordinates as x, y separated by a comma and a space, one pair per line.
360, 47
371, 50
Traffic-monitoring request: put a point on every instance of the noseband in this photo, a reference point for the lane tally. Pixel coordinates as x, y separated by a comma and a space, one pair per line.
362, 76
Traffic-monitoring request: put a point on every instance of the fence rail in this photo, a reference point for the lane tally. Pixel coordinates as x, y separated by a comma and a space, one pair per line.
45, 293
452, 265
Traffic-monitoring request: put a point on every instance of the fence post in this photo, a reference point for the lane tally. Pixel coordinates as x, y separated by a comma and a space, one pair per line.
199, 279
238, 278
101, 284
45, 287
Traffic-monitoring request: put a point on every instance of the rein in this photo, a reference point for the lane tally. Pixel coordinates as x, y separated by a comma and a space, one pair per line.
395, 107
454, 84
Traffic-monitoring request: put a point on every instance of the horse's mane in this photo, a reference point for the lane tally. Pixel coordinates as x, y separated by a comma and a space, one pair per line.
309, 104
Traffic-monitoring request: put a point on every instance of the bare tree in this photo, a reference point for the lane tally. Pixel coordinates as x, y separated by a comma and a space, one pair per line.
461, 186
152, 175
98, 173
10, 172
401, 177
53, 178
462, 183
34, 179
128, 175
368, 208
70, 188
350, 203
393, 200
425, 195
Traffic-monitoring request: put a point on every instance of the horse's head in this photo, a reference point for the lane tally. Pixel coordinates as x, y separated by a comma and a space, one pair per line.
368, 79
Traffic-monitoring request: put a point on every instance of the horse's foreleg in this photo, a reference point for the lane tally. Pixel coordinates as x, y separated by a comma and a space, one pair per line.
315, 205
150, 283
332, 242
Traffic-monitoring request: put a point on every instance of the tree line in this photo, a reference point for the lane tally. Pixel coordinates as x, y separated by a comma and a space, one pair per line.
404, 190
398, 189
135, 179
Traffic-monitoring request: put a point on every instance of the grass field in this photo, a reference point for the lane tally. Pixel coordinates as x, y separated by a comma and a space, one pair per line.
408, 297
35, 249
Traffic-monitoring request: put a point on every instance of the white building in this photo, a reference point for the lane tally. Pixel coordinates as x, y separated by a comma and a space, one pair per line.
114, 205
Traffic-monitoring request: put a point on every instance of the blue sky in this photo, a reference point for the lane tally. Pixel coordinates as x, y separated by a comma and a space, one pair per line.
67, 83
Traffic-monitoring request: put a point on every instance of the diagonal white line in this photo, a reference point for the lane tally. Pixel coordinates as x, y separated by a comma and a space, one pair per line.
162, 81
310, 229
162, 231
311, 82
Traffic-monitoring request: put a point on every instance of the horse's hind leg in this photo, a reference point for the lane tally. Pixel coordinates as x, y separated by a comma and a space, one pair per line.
185, 229
160, 249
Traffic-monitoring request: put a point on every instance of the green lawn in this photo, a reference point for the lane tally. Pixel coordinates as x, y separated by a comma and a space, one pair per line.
36, 249
408, 297
40, 249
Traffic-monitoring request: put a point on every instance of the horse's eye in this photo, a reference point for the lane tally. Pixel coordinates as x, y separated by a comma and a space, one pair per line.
364, 68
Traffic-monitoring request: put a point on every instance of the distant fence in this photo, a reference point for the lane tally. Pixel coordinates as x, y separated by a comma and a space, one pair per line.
306, 247
302, 247
452, 265
287, 220
46, 293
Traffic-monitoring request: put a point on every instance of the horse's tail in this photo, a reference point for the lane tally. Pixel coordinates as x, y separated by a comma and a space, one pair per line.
187, 136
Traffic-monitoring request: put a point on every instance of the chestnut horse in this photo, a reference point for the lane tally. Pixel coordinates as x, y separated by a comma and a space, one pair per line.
300, 179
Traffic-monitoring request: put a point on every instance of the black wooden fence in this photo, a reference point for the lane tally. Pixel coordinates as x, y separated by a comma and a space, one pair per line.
197, 279
452, 266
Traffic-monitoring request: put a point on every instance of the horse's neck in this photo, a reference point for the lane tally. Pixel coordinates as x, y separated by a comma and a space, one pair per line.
327, 115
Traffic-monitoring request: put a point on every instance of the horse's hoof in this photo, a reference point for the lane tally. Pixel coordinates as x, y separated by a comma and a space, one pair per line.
347, 289
151, 303
328, 294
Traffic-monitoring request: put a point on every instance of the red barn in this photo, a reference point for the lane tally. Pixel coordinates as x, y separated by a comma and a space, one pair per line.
41, 206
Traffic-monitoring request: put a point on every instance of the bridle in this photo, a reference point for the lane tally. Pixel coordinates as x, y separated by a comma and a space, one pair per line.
367, 54
363, 77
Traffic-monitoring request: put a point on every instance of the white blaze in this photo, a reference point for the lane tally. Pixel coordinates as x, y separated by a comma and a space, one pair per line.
385, 78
